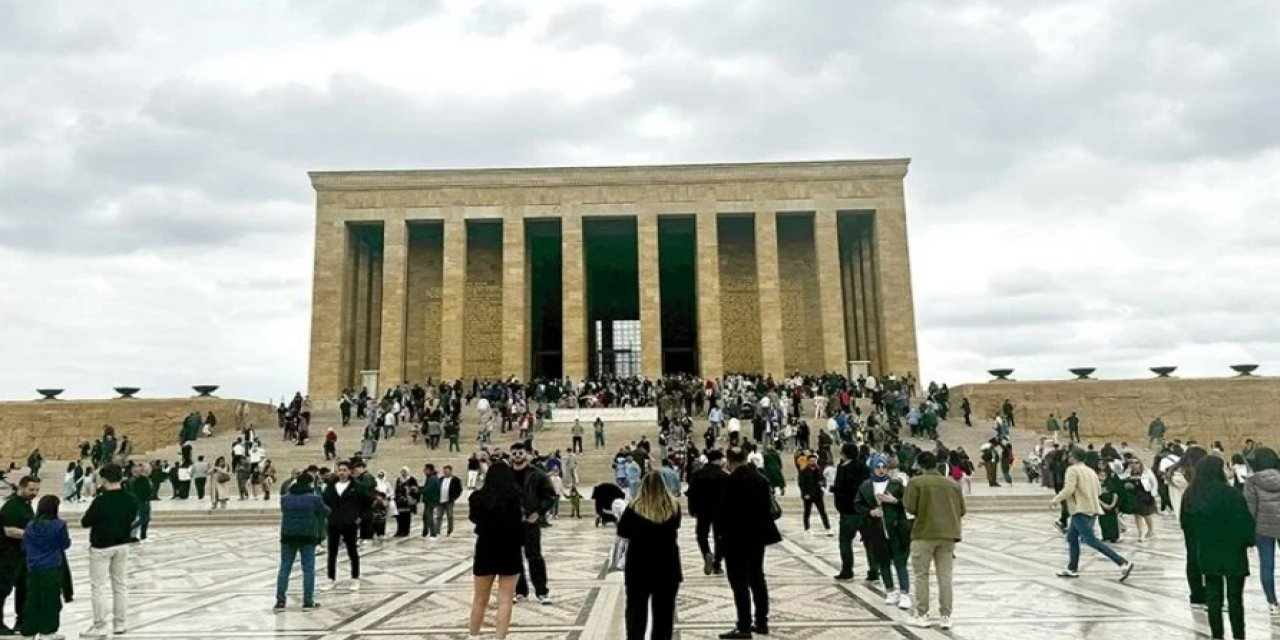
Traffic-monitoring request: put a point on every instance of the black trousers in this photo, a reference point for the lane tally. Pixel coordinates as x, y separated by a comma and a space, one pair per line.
346, 533
745, 567
13, 579
200, 482
365, 527
1213, 596
703, 532
404, 519
577, 444
820, 503
537, 565
1195, 579
641, 599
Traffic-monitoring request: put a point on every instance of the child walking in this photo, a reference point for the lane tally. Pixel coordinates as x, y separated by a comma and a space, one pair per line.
46, 541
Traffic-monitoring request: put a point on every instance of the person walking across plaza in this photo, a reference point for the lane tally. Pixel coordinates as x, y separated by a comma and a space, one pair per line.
1218, 516
812, 493
496, 511
537, 498
938, 506
706, 495
1262, 495
746, 528
301, 512
14, 517
346, 501
1082, 492
46, 541
110, 519
652, 576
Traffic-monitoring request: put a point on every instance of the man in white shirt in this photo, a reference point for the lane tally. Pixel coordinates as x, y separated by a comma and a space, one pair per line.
450, 490
735, 430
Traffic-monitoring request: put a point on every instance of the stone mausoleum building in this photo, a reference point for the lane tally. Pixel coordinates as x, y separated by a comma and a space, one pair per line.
704, 269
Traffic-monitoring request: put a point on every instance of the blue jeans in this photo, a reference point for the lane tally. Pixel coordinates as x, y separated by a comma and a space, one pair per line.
287, 552
1267, 566
140, 525
1081, 528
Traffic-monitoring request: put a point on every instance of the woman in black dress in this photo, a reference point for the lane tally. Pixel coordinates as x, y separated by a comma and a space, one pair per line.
652, 573
1218, 517
495, 510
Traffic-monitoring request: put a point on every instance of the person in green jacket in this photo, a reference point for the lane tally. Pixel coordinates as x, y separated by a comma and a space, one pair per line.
34, 462
1219, 519
773, 469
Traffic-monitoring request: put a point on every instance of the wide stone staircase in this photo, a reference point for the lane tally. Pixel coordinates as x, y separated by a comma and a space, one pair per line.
595, 465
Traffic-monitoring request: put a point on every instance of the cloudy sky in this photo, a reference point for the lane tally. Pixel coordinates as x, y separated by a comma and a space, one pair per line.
1093, 182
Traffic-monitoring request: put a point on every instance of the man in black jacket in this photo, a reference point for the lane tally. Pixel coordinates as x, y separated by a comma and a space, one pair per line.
538, 496
849, 476
746, 527
706, 494
346, 501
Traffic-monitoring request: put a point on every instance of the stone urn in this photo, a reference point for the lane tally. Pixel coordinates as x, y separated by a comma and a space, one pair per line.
1000, 374
1163, 372
205, 390
1244, 369
1082, 373
126, 393
49, 394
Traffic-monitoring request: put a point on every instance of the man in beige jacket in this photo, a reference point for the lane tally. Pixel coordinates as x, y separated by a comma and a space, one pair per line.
1080, 491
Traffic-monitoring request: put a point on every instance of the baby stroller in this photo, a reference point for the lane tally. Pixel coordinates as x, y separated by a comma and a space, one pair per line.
603, 496
1031, 467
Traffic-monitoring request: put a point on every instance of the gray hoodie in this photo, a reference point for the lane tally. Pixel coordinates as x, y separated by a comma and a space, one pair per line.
1262, 492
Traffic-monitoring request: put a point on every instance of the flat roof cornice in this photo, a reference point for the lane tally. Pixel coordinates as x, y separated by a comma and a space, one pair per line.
891, 168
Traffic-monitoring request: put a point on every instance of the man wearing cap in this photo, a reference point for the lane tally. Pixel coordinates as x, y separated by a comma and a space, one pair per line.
537, 498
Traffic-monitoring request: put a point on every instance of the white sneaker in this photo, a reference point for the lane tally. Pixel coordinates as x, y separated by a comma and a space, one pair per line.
904, 602
807, 533
891, 598
354, 586
328, 585
945, 622
916, 620
1274, 609
53, 636
544, 599
94, 632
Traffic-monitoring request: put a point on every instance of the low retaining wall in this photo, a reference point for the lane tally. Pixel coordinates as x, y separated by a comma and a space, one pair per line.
57, 427
1204, 409
613, 414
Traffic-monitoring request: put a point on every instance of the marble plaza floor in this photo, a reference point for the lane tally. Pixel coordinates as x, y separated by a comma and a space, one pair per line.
218, 582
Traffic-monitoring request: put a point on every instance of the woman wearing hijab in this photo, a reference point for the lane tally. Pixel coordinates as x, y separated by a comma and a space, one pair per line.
1219, 518
406, 500
885, 529
651, 525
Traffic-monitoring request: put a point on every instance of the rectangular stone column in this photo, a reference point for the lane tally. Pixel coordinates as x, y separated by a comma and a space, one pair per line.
574, 312
771, 350
893, 279
515, 284
362, 301
454, 285
395, 278
650, 294
826, 239
328, 310
710, 341
872, 329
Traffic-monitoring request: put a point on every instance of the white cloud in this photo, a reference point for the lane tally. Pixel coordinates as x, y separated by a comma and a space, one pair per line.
1092, 181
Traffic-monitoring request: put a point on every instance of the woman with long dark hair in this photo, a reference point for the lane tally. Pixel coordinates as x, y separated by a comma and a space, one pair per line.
46, 541
495, 510
1181, 475
652, 573
1216, 514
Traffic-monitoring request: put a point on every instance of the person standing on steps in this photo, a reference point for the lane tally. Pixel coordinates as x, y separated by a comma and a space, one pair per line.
110, 521
577, 432
748, 528
938, 506
200, 476
850, 475
15, 515
1051, 425
706, 496
1073, 428
346, 502
537, 497
598, 429
1081, 492
301, 512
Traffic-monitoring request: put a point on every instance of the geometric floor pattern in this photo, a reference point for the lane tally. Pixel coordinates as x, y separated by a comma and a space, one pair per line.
218, 582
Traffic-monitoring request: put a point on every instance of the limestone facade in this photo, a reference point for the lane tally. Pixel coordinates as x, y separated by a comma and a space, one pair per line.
425, 274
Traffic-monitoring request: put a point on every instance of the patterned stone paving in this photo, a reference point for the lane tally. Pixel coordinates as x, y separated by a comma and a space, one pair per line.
218, 582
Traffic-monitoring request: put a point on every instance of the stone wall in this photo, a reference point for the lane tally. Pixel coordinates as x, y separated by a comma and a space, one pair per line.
739, 297
57, 427
1204, 409
422, 312
482, 313
801, 302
